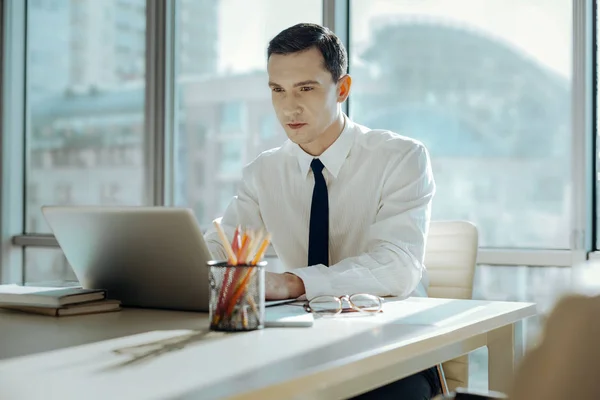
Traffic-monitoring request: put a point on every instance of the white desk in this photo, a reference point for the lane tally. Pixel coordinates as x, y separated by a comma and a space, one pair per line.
78, 357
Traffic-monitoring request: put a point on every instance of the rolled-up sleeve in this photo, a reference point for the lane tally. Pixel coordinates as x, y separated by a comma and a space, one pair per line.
392, 264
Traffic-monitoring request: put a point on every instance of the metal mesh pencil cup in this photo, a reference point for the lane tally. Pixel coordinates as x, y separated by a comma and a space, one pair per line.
237, 296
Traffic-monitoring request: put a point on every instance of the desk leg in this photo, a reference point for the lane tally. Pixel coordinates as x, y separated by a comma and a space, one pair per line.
520, 342
501, 358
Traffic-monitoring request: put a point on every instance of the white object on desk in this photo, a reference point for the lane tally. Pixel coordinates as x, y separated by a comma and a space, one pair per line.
151, 354
288, 316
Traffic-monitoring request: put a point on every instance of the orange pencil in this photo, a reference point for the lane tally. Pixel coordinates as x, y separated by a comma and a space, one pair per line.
248, 248
256, 240
240, 289
262, 249
245, 243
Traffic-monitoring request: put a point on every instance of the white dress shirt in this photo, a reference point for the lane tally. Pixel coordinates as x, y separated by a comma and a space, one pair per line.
380, 187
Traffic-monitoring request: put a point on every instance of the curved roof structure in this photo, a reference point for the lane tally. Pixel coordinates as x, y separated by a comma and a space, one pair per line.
460, 91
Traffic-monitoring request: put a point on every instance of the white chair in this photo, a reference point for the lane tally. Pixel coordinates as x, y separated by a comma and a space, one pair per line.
450, 259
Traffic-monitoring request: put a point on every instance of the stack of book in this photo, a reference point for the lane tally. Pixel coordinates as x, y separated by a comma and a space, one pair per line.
56, 301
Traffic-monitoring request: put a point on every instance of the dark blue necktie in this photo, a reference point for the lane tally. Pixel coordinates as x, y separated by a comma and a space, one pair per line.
318, 237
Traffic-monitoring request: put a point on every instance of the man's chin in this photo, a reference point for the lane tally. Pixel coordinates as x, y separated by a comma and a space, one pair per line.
297, 138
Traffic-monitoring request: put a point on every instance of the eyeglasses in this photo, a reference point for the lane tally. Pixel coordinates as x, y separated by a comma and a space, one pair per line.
333, 305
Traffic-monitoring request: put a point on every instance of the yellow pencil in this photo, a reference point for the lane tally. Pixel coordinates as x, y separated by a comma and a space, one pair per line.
246, 255
262, 249
226, 244
253, 306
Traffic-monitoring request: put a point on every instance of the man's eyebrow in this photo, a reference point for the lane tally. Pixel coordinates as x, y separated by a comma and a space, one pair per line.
303, 83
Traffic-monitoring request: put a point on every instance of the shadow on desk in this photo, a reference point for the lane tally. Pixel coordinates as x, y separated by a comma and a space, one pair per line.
147, 351
363, 342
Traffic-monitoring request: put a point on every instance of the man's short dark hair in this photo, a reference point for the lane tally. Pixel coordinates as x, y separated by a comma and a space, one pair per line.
305, 36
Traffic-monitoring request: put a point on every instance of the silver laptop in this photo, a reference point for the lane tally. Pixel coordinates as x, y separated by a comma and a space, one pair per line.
153, 257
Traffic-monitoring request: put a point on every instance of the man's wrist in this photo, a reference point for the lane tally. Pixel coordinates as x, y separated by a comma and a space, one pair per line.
295, 285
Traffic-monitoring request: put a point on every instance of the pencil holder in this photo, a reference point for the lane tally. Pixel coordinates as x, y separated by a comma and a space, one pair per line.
237, 296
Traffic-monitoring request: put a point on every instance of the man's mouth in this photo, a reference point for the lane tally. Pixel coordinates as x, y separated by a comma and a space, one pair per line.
296, 125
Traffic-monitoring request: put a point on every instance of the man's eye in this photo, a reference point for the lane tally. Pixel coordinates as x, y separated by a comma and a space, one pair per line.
277, 90
306, 88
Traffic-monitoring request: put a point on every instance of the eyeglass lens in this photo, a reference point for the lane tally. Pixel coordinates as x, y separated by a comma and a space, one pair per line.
333, 305
325, 304
366, 302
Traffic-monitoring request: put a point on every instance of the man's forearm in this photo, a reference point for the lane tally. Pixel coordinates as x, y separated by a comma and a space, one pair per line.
384, 271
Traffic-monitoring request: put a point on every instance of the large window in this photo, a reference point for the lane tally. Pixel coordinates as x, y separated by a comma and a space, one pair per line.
486, 86
47, 266
85, 100
222, 87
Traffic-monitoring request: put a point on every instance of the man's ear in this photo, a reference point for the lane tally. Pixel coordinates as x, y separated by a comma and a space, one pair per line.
344, 85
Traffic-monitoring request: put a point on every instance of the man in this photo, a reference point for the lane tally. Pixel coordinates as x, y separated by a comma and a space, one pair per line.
348, 208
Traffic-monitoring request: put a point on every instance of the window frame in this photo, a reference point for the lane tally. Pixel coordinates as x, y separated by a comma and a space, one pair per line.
12, 119
583, 132
161, 117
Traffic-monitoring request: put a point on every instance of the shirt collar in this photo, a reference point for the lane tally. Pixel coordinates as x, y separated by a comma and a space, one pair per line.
333, 158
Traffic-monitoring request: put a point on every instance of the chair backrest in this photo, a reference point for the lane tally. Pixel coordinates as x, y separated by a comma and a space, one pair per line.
450, 259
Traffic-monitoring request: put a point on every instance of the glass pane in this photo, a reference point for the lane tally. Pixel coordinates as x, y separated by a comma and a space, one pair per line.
225, 117
488, 93
85, 76
47, 266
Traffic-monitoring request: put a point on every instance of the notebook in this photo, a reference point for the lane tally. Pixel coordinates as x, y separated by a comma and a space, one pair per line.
72, 309
47, 296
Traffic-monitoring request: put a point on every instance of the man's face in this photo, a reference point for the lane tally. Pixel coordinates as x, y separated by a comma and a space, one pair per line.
304, 95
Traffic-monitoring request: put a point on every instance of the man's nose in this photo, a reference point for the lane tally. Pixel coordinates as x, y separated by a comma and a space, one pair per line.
291, 107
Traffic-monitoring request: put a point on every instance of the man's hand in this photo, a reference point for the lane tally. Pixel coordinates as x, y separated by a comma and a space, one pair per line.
283, 286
